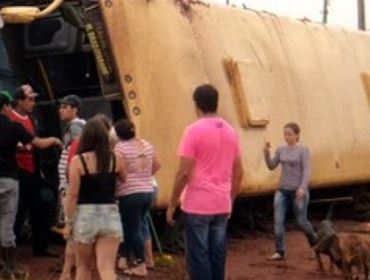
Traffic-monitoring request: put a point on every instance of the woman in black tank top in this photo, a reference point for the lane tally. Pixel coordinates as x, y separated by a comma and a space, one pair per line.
92, 215
99, 188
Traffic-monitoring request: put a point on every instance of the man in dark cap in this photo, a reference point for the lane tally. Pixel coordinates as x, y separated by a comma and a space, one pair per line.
16, 134
68, 112
30, 184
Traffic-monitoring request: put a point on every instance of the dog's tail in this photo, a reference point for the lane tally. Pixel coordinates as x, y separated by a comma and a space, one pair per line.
329, 214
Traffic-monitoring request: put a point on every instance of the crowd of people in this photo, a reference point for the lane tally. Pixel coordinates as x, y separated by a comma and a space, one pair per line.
107, 186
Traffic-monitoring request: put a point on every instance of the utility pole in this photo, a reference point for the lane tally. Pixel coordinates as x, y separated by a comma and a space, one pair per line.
361, 23
325, 12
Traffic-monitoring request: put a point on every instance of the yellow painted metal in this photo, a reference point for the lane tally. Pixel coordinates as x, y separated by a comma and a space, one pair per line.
301, 71
366, 82
248, 85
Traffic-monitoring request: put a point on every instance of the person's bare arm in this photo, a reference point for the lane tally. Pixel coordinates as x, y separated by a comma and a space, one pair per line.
156, 164
26, 138
237, 178
44, 143
182, 178
73, 189
121, 168
273, 162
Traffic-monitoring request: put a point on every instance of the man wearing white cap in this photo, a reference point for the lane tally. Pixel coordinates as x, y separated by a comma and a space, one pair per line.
30, 200
9, 181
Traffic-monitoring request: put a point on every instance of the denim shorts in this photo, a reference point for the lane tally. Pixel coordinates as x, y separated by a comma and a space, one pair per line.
93, 221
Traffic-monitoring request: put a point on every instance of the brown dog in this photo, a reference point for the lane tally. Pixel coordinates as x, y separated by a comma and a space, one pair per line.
356, 252
328, 244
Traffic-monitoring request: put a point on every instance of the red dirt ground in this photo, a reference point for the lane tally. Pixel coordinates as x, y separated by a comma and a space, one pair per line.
247, 259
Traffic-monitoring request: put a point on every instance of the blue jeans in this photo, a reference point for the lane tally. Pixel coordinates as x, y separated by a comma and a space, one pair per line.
145, 228
283, 200
206, 246
133, 209
9, 194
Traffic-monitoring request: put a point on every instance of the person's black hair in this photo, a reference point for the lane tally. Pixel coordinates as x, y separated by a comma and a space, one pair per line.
19, 94
95, 138
206, 98
125, 129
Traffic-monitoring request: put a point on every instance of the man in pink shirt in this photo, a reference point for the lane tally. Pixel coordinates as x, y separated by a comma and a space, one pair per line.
208, 180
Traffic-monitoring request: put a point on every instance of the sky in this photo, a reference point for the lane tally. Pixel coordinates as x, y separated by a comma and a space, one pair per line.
341, 12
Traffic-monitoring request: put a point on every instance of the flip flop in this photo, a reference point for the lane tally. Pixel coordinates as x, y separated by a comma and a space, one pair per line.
122, 265
150, 266
130, 272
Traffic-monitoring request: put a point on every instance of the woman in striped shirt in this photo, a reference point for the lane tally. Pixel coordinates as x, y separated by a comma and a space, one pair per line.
135, 194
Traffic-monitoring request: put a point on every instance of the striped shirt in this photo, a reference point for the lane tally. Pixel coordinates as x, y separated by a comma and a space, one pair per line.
72, 131
62, 168
138, 156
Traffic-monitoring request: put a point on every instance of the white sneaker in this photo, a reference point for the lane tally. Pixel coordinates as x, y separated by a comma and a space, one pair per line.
276, 257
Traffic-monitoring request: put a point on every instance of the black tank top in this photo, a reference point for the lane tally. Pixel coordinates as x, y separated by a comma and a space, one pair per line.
99, 188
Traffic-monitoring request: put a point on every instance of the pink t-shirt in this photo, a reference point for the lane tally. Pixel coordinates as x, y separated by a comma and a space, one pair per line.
214, 146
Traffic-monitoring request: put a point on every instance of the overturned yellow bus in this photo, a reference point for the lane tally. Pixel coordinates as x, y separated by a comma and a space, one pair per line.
268, 69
